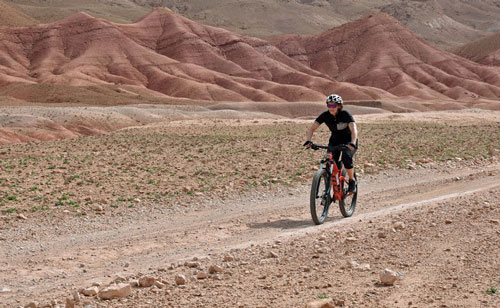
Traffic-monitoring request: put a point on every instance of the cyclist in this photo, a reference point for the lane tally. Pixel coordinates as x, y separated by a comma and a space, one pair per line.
344, 131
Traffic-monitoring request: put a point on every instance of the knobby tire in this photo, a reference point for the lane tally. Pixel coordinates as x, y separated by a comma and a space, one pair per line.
348, 204
319, 199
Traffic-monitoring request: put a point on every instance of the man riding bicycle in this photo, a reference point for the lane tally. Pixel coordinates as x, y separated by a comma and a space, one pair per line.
344, 131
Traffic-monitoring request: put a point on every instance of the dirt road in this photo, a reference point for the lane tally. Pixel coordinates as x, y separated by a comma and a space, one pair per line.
56, 259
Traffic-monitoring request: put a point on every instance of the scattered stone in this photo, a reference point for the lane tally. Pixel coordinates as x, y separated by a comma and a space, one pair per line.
134, 283
32, 305
99, 208
272, 254
322, 250
388, 277
448, 221
147, 281
21, 216
180, 279
69, 303
321, 303
117, 291
351, 239
305, 269
495, 221
399, 225
215, 269
5, 290
228, 258
382, 235
76, 296
192, 264
159, 285
355, 265
90, 291
202, 275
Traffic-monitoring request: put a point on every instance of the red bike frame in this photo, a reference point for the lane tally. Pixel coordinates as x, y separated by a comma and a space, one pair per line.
337, 178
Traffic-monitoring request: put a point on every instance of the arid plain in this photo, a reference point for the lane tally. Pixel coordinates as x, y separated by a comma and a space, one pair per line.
163, 159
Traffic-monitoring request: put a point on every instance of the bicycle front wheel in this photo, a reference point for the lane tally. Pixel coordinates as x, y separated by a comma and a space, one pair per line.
320, 196
347, 204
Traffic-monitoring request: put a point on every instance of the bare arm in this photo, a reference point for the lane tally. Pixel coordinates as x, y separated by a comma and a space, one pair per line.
311, 130
354, 133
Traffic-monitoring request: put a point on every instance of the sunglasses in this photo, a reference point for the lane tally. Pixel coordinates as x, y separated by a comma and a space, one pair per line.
332, 105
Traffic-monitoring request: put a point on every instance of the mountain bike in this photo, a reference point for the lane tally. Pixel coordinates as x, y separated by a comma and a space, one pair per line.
330, 184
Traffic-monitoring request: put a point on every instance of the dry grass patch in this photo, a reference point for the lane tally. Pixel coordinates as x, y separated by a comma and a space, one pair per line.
163, 166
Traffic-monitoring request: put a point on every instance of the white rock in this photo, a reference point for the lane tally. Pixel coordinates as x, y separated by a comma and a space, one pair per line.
399, 225
388, 277
159, 284
147, 281
5, 290
117, 291
180, 279
272, 254
321, 303
90, 291
228, 258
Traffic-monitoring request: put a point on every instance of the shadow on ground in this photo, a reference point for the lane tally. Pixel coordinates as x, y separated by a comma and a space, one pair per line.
288, 224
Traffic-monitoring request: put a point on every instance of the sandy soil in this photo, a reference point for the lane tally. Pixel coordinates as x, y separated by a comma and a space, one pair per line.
436, 226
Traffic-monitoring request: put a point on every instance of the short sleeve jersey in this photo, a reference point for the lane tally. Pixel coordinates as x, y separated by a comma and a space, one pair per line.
338, 125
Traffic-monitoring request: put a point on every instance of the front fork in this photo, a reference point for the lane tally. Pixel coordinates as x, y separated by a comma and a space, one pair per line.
335, 183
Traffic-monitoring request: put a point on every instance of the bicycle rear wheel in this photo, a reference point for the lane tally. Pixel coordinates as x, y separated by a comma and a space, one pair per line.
320, 198
348, 203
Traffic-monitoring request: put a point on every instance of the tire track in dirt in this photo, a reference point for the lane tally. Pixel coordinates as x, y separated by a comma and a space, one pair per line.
53, 266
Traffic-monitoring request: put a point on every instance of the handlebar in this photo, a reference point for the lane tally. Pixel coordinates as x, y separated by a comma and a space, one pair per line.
332, 148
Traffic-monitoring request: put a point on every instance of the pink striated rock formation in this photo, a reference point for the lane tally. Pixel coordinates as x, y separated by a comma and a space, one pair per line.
378, 51
164, 52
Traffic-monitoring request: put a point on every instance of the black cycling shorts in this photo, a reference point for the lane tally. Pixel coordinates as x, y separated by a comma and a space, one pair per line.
347, 157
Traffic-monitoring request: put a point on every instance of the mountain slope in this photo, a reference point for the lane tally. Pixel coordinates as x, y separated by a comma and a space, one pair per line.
378, 51
485, 51
10, 16
444, 23
164, 52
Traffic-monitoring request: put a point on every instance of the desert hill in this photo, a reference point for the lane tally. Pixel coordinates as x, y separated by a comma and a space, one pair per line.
372, 59
166, 53
485, 51
10, 16
378, 51
122, 11
444, 23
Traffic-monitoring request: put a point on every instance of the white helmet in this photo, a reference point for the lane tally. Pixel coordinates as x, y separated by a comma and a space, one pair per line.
334, 98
